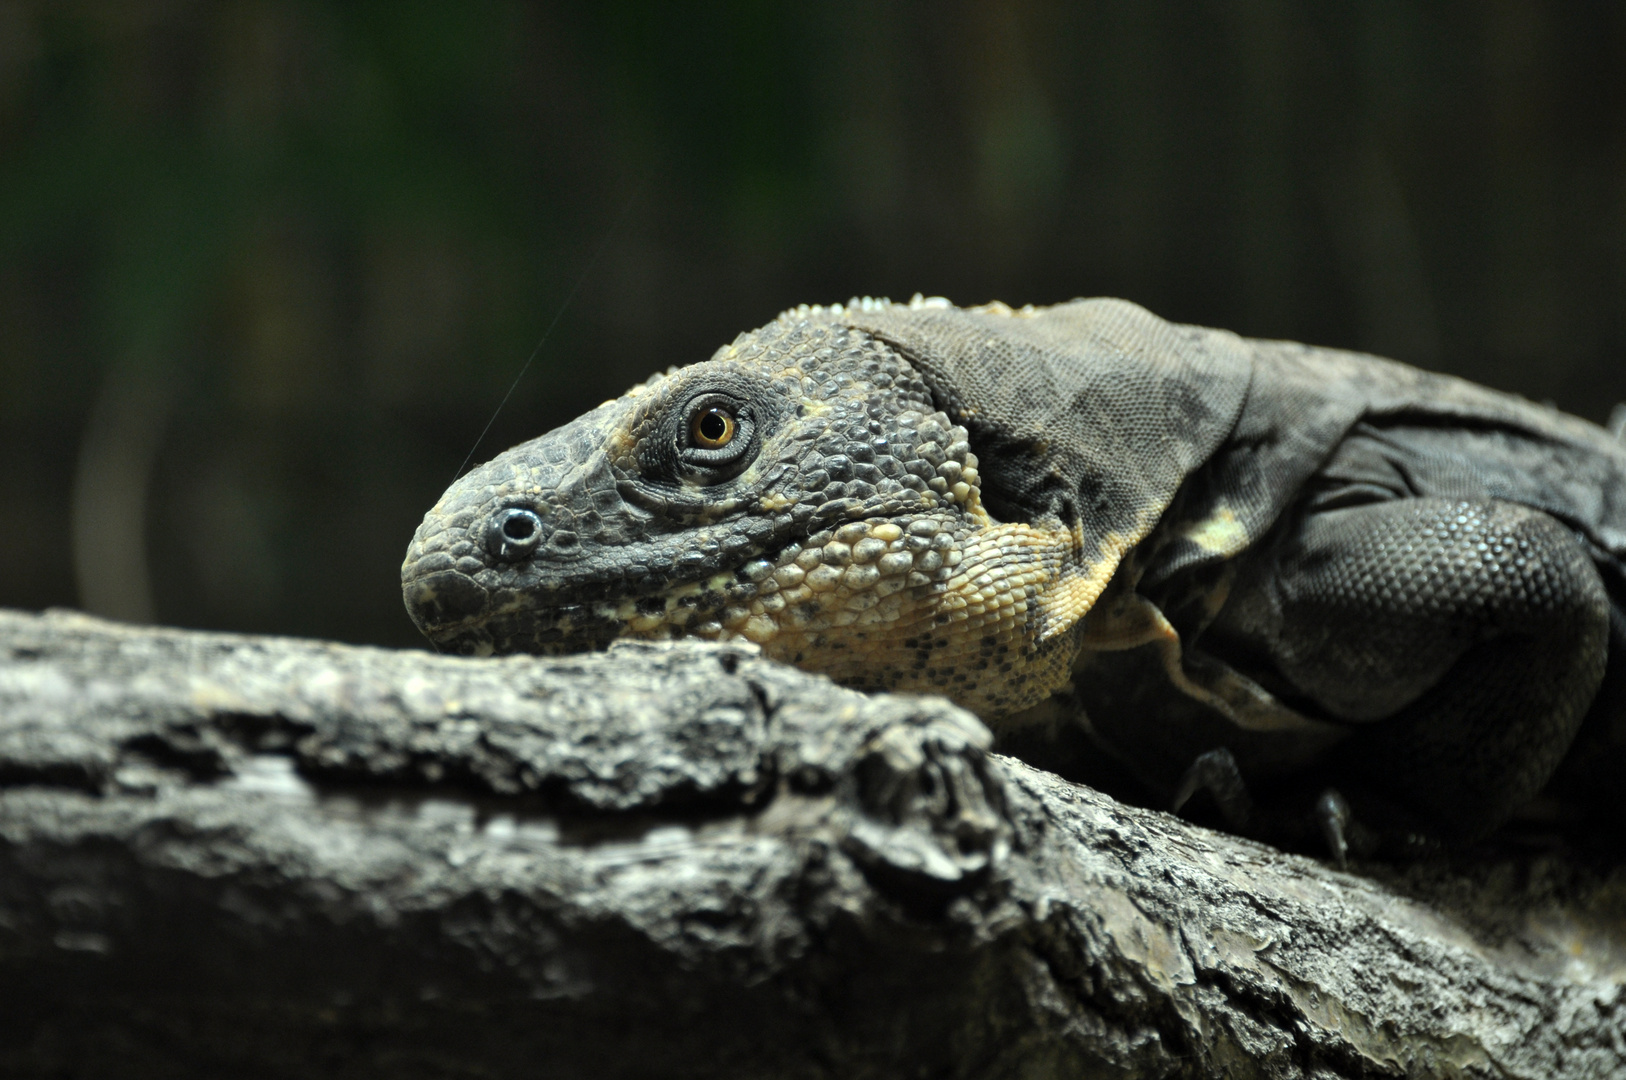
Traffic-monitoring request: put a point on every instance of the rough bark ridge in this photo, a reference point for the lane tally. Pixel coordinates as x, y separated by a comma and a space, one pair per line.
247, 856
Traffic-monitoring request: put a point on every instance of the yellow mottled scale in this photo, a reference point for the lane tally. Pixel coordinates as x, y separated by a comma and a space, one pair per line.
956, 604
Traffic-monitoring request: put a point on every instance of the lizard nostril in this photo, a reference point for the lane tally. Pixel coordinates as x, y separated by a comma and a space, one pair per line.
513, 533
519, 527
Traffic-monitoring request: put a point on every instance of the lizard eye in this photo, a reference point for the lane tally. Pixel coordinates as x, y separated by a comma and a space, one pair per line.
710, 438
713, 428
717, 434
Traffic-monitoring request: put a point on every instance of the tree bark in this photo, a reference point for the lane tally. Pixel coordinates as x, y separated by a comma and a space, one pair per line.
259, 857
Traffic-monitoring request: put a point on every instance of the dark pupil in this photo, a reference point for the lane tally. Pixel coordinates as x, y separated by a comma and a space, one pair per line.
713, 426
519, 527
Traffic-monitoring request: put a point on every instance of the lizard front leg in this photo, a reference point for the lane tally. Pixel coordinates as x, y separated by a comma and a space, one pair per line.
1464, 639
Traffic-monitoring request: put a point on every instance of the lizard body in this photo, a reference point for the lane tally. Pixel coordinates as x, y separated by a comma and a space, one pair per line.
1312, 558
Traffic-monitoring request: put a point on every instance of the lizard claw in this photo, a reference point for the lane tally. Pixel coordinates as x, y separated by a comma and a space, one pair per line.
1333, 815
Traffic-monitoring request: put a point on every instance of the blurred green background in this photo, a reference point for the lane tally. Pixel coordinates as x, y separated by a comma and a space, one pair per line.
266, 269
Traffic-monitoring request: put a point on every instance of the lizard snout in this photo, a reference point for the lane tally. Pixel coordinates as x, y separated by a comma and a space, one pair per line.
443, 598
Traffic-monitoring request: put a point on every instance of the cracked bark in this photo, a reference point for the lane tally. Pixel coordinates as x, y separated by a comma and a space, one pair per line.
226, 855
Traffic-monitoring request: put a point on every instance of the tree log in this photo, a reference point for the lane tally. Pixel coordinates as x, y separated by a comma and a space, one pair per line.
260, 857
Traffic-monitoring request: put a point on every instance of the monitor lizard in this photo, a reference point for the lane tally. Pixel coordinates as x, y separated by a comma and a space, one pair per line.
1232, 562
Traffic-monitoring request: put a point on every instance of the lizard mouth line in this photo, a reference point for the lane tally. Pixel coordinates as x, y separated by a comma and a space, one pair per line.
453, 608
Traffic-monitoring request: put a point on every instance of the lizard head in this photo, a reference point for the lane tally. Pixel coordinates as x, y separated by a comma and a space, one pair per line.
800, 490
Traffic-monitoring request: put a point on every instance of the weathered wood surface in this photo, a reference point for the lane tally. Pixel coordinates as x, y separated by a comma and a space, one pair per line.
260, 857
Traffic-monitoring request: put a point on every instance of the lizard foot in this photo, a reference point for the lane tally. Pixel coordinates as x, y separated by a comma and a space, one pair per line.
1216, 772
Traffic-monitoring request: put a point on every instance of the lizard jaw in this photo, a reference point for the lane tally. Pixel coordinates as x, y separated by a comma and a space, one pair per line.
944, 603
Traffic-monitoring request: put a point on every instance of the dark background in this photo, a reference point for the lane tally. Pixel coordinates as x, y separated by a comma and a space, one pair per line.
267, 269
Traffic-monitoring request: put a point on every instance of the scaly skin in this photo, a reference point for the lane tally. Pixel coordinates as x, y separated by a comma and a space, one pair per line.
1254, 547
847, 536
